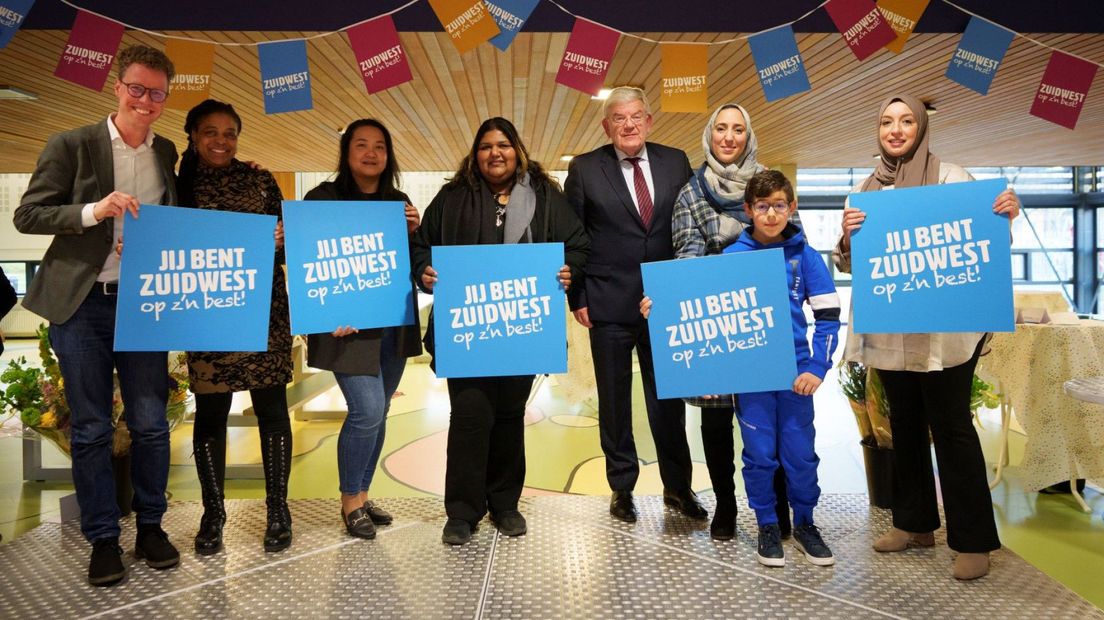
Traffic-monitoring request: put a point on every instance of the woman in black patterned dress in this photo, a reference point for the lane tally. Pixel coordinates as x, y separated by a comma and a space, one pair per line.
210, 178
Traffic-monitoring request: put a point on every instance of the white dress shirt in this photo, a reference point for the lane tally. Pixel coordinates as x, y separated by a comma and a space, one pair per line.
627, 171
138, 173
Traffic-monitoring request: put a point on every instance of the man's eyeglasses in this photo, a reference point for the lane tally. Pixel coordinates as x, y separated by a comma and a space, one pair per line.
136, 90
780, 208
636, 119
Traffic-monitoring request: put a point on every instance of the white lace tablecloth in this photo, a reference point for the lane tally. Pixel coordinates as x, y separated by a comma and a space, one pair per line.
1065, 436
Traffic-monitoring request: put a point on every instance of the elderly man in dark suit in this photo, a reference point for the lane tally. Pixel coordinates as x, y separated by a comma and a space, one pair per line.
624, 193
85, 180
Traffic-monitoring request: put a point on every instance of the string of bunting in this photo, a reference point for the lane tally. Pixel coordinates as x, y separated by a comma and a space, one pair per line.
865, 25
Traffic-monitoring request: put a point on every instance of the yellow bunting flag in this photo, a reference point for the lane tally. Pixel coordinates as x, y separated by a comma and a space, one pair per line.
902, 16
467, 22
683, 70
193, 61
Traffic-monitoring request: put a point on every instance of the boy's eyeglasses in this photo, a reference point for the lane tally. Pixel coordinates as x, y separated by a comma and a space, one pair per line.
136, 90
781, 208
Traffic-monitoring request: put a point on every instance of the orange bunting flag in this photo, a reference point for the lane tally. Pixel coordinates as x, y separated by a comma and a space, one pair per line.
467, 22
902, 16
683, 78
194, 62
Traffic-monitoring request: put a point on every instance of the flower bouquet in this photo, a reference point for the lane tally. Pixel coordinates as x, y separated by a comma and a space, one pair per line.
37, 396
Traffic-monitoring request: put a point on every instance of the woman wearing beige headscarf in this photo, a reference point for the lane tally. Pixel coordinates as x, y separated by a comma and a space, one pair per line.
927, 377
709, 216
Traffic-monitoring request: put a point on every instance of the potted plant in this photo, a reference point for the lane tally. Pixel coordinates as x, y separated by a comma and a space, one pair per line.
866, 395
37, 396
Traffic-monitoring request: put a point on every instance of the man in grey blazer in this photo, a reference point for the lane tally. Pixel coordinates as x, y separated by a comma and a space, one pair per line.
624, 193
83, 183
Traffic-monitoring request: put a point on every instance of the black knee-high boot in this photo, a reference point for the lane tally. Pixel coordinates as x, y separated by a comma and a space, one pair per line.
276, 453
720, 460
782, 502
210, 460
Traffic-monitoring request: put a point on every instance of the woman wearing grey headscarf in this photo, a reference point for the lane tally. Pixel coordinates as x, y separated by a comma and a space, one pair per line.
708, 216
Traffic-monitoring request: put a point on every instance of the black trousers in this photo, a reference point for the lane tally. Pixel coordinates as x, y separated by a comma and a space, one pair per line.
485, 466
611, 346
213, 410
939, 400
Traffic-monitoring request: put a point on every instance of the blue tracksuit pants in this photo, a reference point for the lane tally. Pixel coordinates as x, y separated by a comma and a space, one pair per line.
777, 427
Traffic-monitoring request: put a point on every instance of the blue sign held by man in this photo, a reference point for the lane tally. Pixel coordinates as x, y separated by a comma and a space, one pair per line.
720, 324
348, 265
498, 310
932, 259
195, 280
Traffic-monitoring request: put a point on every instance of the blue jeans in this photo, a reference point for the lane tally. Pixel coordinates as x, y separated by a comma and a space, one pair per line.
84, 345
358, 443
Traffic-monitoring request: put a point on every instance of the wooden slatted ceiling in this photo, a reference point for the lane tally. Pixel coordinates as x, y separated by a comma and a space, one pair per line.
434, 116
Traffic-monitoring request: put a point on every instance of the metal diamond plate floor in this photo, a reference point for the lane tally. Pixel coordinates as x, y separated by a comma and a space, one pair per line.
575, 562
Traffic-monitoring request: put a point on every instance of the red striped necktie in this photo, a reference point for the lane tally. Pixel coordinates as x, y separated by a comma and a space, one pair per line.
643, 197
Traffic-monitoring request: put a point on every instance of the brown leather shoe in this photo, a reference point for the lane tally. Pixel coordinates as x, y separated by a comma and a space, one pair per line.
969, 566
899, 540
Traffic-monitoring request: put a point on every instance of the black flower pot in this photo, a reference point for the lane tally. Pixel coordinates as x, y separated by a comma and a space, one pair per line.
124, 492
879, 473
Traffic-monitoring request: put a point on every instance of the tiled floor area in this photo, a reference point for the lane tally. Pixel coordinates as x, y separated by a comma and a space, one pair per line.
1048, 541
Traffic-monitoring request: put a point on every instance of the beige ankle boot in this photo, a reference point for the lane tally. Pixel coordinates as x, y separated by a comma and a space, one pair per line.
969, 566
899, 540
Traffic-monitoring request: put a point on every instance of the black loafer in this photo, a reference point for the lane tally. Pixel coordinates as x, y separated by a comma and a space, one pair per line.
378, 515
105, 567
359, 524
510, 523
723, 526
686, 502
153, 546
622, 507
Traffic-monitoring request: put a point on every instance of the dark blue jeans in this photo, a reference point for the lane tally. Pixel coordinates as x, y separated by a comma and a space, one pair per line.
84, 345
368, 399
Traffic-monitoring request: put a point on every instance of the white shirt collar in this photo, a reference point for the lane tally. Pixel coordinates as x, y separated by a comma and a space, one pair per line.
113, 132
643, 154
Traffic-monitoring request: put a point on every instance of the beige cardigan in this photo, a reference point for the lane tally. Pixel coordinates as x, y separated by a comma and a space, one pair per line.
914, 352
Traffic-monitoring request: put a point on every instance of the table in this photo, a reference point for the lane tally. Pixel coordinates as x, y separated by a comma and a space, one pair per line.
1065, 436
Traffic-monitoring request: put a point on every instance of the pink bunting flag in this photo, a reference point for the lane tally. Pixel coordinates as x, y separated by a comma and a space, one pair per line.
587, 58
862, 25
380, 56
90, 51
1062, 91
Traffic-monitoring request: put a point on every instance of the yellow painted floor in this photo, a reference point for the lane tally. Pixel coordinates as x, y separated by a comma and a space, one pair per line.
563, 456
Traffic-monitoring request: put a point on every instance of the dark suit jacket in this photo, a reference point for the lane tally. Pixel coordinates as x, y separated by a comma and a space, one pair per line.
596, 189
75, 168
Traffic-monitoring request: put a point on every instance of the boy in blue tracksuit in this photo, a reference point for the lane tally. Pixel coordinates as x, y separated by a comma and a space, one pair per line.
778, 426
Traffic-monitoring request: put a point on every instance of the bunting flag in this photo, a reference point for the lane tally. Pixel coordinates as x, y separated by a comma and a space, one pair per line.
467, 22
587, 57
12, 14
684, 85
380, 56
861, 24
901, 15
510, 15
90, 50
1062, 90
194, 62
285, 76
779, 64
979, 55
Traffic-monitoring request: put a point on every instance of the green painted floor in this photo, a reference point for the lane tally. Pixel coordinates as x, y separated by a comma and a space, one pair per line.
564, 456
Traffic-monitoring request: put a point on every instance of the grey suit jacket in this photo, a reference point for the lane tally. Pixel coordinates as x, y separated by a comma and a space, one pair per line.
75, 168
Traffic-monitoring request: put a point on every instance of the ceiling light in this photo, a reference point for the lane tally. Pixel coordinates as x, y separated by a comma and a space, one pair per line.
602, 94
10, 92
930, 108
566, 157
